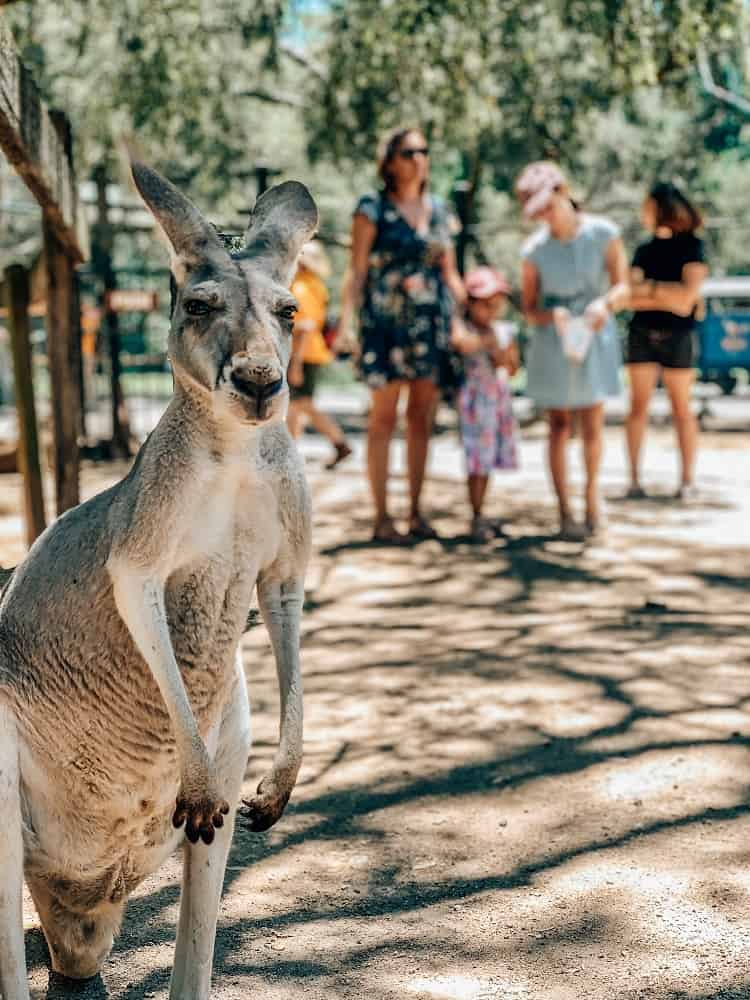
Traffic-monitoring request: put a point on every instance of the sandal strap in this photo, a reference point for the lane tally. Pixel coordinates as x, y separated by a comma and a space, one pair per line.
419, 528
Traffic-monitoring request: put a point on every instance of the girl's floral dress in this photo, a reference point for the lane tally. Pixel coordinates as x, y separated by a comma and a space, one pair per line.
406, 311
489, 431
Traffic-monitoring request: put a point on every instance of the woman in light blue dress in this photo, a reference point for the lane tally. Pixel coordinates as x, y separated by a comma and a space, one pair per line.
574, 265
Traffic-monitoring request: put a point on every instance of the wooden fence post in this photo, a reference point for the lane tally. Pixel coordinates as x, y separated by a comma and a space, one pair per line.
16, 283
102, 261
62, 332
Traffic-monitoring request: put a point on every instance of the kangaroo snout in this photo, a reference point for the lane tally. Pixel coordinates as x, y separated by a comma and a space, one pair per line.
259, 383
251, 385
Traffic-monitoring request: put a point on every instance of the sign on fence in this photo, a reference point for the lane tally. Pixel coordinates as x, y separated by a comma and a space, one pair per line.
126, 300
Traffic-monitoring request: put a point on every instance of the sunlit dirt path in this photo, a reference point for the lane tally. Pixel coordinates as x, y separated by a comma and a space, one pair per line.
527, 764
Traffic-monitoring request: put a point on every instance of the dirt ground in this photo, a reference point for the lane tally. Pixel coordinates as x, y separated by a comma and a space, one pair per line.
527, 764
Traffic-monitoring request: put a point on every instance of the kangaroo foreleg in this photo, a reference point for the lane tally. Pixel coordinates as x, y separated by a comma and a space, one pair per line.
140, 602
281, 605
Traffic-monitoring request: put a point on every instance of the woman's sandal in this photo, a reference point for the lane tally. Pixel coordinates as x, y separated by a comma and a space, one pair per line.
421, 530
636, 492
385, 532
571, 530
482, 530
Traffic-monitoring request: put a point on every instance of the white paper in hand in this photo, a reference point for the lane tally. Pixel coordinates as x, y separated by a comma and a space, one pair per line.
505, 333
576, 335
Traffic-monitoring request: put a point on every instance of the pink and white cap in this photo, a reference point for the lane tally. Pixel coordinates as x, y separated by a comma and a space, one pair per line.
484, 282
536, 185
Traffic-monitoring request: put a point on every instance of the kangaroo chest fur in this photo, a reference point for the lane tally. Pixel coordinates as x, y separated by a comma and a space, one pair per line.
123, 699
100, 771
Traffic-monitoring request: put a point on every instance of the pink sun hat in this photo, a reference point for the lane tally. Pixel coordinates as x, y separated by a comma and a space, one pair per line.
536, 185
484, 282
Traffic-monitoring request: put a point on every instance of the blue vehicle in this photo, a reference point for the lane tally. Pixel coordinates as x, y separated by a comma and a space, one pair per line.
724, 330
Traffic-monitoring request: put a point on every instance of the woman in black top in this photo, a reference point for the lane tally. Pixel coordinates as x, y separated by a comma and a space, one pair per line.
666, 279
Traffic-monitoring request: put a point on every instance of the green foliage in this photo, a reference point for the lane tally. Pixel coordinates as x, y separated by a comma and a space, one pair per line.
607, 87
523, 77
165, 72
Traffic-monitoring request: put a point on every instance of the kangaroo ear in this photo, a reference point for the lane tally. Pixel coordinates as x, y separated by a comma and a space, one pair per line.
191, 237
284, 218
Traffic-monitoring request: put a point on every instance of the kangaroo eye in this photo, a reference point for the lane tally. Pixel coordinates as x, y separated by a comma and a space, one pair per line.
197, 307
288, 312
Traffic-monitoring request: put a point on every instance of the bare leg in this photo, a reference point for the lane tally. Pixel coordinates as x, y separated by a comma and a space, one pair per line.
13, 981
592, 422
679, 383
477, 492
322, 423
203, 866
643, 378
295, 417
380, 427
304, 408
560, 422
420, 416
325, 425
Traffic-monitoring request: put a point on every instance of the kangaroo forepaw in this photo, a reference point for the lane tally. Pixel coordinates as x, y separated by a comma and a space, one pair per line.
202, 817
265, 808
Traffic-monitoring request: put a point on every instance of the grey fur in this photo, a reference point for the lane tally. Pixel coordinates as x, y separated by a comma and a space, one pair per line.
121, 690
279, 217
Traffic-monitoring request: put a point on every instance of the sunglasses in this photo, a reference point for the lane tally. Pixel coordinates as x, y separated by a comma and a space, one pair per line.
412, 151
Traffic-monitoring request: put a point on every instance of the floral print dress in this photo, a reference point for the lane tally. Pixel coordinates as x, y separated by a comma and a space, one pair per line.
406, 311
489, 431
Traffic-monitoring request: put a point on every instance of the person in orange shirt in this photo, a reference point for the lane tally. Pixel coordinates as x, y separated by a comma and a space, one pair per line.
310, 351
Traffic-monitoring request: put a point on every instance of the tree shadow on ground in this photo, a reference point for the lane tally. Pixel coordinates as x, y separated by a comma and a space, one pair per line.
485, 721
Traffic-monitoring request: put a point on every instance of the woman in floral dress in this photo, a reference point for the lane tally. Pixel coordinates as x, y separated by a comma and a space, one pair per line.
403, 280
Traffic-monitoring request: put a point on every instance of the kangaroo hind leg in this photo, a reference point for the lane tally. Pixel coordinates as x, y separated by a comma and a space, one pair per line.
203, 873
13, 979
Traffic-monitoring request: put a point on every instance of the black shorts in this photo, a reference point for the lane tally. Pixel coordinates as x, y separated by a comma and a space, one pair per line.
668, 348
309, 381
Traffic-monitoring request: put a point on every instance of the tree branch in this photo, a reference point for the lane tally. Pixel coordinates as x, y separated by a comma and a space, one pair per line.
713, 88
302, 60
287, 100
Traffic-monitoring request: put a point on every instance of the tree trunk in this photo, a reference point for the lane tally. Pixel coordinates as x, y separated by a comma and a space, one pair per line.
464, 195
102, 260
63, 339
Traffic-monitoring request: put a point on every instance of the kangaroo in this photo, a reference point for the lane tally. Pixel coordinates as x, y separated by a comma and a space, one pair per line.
124, 716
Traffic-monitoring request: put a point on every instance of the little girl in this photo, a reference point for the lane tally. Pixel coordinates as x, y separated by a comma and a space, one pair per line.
488, 429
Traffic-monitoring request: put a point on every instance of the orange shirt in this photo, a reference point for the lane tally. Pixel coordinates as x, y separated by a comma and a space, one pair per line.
312, 301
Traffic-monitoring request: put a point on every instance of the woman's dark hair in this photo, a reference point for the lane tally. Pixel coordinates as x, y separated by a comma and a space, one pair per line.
388, 147
673, 210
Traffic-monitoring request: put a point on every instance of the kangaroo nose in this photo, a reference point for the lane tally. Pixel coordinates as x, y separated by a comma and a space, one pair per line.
260, 385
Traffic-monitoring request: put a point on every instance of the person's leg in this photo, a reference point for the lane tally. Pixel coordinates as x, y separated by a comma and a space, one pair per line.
560, 422
642, 378
303, 409
592, 424
295, 416
477, 493
679, 382
324, 424
420, 416
380, 427
481, 529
